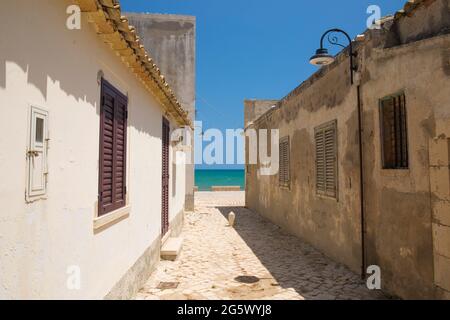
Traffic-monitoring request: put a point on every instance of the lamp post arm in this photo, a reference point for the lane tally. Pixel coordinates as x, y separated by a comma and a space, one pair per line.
352, 54
338, 31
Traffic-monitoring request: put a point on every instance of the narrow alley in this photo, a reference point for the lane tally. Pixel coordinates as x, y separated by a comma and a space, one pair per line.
253, 260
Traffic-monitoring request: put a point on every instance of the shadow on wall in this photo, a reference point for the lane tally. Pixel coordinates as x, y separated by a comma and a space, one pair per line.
295, 264
49, 55
52, 56
42, 75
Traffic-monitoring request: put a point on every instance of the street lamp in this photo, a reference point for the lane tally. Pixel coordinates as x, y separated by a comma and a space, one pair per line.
322, 57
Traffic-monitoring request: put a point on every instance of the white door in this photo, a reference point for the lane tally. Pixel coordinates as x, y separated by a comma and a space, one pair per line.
37, 153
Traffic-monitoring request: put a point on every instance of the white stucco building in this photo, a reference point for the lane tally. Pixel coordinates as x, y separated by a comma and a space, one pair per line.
82, 144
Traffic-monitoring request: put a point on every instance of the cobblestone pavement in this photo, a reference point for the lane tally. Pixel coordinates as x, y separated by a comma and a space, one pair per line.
215, 255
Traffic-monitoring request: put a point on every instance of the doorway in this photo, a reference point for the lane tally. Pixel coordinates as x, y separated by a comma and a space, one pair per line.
165, 177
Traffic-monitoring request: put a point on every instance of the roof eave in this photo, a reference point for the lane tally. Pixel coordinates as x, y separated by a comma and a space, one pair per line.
114, 29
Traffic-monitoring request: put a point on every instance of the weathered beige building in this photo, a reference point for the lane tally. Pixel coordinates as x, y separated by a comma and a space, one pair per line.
399, 216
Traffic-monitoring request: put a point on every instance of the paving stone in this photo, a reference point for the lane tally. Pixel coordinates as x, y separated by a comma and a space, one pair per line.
214, 255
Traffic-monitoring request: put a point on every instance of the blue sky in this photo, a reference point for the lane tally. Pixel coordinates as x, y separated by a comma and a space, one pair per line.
257, 48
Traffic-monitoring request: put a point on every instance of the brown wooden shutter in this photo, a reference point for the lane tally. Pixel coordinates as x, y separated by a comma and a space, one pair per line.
120, 160
284, 163
320, 162
165, 177
330, 160
113, 137
326, 159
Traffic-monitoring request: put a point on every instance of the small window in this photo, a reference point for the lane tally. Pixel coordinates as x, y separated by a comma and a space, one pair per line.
394, 134
284, 171
39, 130
326, 159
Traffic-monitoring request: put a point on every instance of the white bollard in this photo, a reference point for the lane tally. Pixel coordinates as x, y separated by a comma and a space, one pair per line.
231, 218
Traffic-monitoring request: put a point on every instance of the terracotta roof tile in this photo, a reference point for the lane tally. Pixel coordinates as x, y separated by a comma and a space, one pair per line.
114, 29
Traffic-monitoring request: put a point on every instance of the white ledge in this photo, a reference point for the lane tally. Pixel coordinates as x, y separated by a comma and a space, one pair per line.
111, 218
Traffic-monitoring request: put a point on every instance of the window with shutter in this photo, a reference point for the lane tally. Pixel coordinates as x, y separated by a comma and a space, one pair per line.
284, 165
113, 149
326, 159
394, 135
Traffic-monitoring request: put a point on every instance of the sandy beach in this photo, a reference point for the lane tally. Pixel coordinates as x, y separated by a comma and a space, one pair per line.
220, 198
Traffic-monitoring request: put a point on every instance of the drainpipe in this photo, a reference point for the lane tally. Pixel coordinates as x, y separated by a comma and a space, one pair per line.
361, 184
323, 58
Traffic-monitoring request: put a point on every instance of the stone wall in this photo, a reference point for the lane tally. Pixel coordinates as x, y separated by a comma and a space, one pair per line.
405, 218
440, 187
330, 225
397, 202
253, 109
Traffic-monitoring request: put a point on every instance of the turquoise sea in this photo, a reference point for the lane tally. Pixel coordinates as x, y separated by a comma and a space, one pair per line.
205, 179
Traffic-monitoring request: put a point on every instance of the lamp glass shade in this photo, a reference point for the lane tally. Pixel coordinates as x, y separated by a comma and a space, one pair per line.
321, 58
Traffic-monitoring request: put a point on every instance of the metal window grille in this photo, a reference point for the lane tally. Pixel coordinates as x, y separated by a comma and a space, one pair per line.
394, 133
